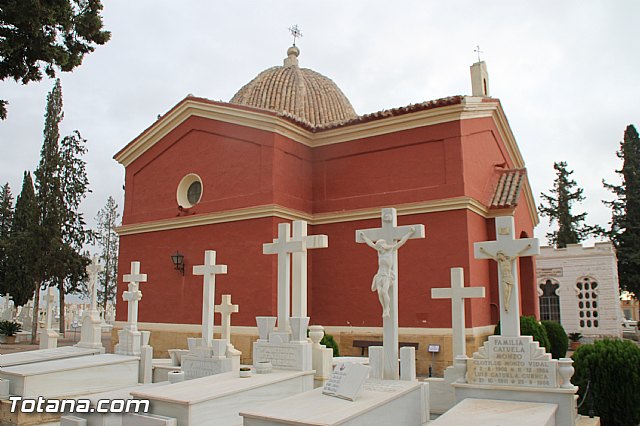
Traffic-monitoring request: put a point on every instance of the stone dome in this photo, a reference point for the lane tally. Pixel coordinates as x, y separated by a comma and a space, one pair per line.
299, 92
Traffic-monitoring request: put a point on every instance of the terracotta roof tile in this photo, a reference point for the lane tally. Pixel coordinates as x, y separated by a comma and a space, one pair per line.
508, 188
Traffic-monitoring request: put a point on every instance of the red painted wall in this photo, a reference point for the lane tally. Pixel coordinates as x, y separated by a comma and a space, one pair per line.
242, 167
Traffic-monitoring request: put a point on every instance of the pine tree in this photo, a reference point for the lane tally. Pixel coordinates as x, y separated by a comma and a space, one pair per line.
558, 206
22, 261
108, 241
6, 221
625, 218
45, 35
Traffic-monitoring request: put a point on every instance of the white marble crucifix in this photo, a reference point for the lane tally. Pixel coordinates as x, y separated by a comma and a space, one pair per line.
225, 309
505, 251
299, 266
386, 241
283, 246
209, 270
93, 270
457, 293
133, 295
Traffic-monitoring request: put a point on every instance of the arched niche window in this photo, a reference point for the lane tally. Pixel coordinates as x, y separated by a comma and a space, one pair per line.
549, 301
587, 290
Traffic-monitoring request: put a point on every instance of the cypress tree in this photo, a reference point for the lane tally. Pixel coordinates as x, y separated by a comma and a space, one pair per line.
557, 207
23, 251
625, 218
6, 221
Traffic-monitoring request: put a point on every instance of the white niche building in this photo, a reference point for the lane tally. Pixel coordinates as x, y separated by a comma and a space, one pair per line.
578, 286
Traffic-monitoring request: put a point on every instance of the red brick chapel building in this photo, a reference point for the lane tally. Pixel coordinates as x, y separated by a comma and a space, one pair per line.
220, 176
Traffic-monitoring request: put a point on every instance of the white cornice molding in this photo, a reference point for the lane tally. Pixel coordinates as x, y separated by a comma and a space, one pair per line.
273, 210
469, 108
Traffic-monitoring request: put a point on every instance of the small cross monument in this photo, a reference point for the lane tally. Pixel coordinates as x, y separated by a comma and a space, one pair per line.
48, 336
457, 293
130, 338
283, 246
386, 241
91, 331
225, 309
92, 272
209, 270
299, 268
505, 251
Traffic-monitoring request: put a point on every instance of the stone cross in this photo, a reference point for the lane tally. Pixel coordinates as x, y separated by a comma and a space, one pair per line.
92, 271
209, 270
505, 251
133, 295
283, 246
225, 309
391, 233
299, 268
457, 293
49, 299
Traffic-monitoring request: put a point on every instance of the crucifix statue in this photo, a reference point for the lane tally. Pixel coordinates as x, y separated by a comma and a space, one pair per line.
388, 239
505, 251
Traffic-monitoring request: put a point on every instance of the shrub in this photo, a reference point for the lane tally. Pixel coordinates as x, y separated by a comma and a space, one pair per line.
529, 326
330, 342
9, 328
557, 338
614, 366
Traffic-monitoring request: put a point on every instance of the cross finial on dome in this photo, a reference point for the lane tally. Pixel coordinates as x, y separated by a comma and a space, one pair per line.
295, 32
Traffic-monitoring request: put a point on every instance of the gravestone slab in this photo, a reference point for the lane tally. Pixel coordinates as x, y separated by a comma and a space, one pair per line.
381, 403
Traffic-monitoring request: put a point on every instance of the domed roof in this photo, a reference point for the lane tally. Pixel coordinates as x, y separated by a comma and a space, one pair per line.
300, 92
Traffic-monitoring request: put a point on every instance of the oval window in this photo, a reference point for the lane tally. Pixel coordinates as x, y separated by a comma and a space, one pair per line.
189, 191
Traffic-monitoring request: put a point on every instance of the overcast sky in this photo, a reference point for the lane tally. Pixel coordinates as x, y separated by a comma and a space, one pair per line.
567, 74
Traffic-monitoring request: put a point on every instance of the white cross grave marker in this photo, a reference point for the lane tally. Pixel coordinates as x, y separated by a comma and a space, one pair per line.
299, 268
209, 270
49, 299
386, 241
505, 251
225, 309
93, 270
457, 293
283, 246
133, 295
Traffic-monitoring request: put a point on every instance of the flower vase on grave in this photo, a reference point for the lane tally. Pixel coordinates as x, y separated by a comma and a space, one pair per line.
299, 327
265, 326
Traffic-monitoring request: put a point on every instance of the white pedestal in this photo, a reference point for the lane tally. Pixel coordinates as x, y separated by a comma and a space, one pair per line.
48, 339
62, 377
381, 403
218, 399
91, 331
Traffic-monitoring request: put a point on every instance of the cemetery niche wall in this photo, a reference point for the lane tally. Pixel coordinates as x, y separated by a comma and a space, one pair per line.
578, 287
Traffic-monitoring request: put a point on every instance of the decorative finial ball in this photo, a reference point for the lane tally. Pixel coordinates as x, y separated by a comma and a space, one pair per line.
293, 50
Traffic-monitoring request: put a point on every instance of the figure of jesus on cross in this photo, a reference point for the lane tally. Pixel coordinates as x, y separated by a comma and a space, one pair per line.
385, 277
504, 263
505, 250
